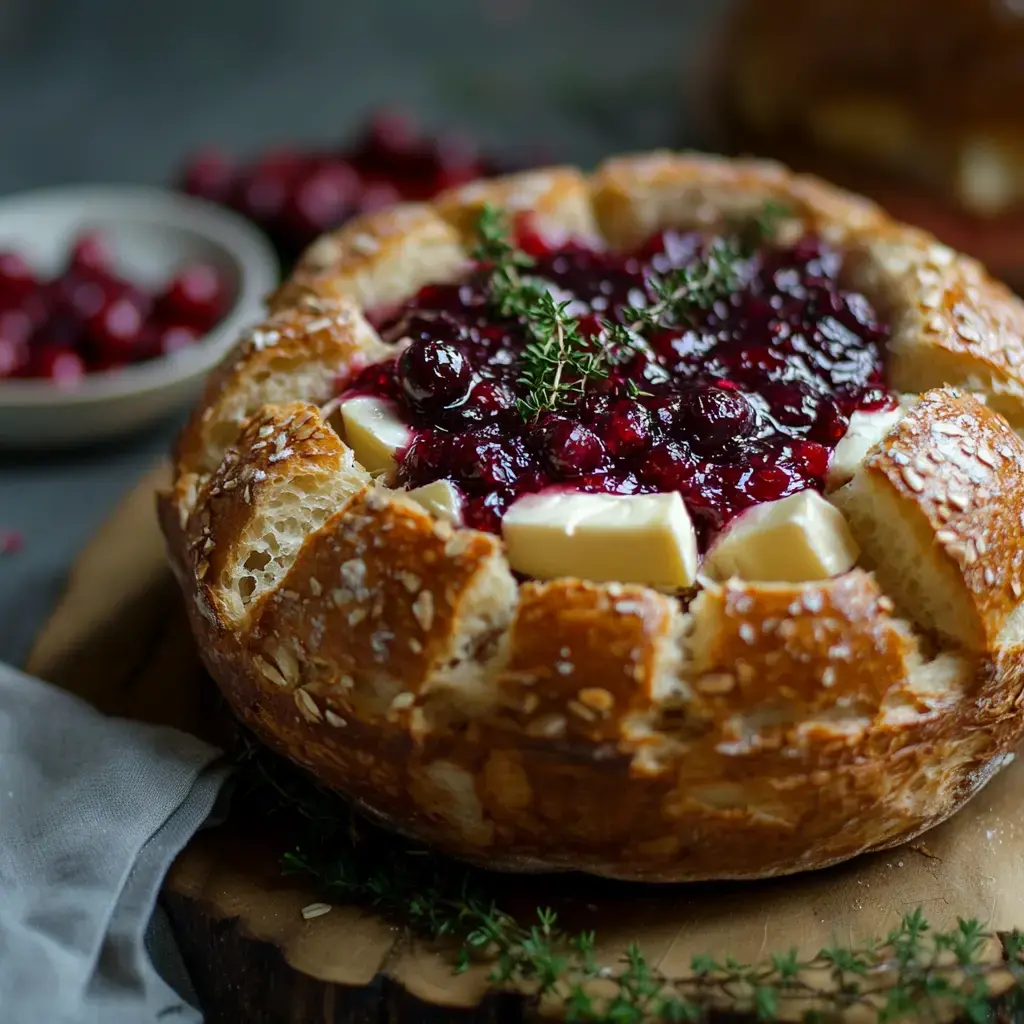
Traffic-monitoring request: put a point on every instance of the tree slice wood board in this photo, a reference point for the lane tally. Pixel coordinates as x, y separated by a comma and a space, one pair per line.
119, 639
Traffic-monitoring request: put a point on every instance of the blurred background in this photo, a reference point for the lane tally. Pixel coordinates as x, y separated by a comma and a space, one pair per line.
122, 90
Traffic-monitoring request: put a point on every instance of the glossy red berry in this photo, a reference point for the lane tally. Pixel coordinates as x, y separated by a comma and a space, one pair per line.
16, 277
60, 366
90, 255
116, 329
197, 295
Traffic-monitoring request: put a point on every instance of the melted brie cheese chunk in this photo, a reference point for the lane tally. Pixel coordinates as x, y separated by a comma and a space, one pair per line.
374, 433
865, 431
791, 540
440, 498
625, 538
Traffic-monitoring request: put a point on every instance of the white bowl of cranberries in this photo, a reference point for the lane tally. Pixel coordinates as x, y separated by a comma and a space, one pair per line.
115, 302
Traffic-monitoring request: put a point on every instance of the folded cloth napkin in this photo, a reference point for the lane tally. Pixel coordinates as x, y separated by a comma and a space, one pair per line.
92, 812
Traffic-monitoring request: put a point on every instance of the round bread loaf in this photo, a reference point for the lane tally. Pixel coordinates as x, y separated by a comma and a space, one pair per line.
741, 729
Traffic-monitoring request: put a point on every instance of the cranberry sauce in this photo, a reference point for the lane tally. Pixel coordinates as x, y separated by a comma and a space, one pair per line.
742, 403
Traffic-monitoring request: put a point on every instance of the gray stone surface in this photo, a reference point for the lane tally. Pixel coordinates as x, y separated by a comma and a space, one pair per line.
120, 90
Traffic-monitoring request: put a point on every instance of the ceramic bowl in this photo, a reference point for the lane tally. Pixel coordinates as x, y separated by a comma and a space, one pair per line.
151, 234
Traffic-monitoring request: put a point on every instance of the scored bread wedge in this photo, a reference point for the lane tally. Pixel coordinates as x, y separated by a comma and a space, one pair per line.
937, 507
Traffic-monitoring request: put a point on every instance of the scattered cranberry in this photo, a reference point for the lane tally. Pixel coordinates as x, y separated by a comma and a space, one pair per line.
116, 328
707, 416
13, 356
295, 196
210, 174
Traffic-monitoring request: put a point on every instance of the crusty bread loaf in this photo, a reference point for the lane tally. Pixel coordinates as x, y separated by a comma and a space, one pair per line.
757, 729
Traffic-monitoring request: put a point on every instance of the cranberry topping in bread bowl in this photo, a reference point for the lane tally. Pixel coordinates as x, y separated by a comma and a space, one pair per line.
794, 639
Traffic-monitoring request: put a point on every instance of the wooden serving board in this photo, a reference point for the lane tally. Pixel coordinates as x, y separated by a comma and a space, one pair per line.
119, 639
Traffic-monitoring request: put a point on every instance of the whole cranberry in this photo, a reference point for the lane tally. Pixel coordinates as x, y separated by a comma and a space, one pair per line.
456, 161
61, 366
707, 416
161, 339
15, 329
489, 400
794, 405
321, 200
116, 329
90, 255
377, 195
209, 175
16, 277
62, 329
668, 466
261, 195
196, 295
390, 134
15, 326
811, 457
13, 357
626, 428
769, 484
568, 449
488, 464
434, 374
830, 425
77, 295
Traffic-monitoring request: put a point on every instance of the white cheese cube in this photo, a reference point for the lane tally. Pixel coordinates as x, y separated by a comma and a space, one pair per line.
798, 538
374, 433
440, 498
625, 538
865, 431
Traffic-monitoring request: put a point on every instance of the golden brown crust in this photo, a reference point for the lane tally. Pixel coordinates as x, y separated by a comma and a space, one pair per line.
378, 259
762, 729
557, 201
955, 471
301, 353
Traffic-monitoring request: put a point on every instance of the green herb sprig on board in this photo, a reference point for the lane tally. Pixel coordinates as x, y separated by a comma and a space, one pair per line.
915, 973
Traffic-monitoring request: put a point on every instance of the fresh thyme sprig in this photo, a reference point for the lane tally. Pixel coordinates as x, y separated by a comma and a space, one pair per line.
914, 973
558, 361
698, 285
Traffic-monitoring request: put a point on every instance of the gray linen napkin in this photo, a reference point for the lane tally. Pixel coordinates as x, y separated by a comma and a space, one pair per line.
92, 812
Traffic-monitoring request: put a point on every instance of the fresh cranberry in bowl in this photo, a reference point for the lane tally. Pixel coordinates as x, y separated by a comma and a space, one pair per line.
98, 259
16, 278
197, 295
